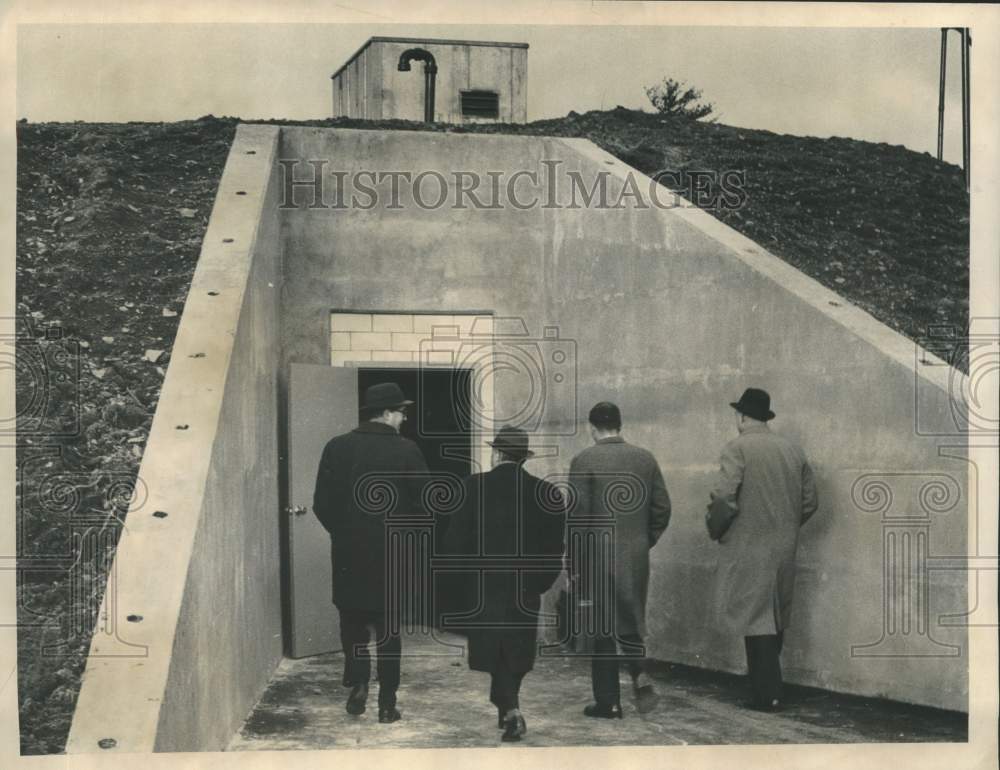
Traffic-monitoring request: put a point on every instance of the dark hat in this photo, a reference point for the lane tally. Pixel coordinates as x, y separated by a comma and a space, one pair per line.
385, 395
755, 403
604, 414
513, 441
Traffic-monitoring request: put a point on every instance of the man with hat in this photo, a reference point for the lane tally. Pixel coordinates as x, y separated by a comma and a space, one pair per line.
618, 486
364, 476
508, 515
768, 484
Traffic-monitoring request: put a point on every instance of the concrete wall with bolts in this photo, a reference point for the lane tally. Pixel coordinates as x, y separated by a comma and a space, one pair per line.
229, 635
204, 576
672, 314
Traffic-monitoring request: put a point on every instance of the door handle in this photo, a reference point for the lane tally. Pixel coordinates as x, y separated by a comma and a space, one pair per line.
297, 510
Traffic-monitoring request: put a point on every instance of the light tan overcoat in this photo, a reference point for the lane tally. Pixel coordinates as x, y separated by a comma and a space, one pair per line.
769, 480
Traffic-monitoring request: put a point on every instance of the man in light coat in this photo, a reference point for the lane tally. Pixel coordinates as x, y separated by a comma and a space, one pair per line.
767, 480
617, 486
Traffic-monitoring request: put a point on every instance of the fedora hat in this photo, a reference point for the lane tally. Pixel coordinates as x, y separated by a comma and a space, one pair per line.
755, 403
513, 441
385, 395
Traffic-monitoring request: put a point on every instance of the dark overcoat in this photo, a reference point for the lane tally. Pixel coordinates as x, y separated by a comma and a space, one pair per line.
620, 483
364, 477
770, 482
507, 514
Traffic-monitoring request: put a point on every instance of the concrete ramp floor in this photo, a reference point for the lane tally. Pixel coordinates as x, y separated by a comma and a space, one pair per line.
445, 705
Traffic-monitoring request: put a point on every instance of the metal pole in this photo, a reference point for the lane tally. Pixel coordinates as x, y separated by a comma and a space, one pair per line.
944, 62
430, 74
966, 107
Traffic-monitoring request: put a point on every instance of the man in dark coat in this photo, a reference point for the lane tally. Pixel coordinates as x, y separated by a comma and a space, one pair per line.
617, 486
515, 517
766, 479
365, 476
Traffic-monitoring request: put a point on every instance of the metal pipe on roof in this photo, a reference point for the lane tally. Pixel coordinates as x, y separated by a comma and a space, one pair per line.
430, 75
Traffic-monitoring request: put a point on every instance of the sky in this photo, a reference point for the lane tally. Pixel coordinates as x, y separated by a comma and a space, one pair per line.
874, 84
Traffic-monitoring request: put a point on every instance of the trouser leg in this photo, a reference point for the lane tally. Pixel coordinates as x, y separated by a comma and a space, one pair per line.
604, 671
502, 689
774, 666
505, 686
634, 655
779, 644
764, 665
354, 640
388, 650
751, 646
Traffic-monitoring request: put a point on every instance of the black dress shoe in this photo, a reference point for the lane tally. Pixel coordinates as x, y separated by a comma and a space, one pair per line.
500, 712
357, 699
604, 710
514, 727
645, 698
388, 714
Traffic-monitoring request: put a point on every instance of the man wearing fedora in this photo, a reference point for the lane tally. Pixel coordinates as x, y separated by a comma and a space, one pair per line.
769, 487
510, 515
621, 484
364, 476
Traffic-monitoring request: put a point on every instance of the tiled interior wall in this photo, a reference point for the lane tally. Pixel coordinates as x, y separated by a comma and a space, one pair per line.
406, 337
464, 340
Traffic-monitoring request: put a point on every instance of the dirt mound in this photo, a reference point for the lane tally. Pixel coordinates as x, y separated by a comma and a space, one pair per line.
885, 227
110, 219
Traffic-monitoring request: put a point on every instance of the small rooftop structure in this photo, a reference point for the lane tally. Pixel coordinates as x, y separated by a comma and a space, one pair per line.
463, 81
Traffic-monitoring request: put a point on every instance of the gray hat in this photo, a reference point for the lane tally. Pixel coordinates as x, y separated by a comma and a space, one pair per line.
385, 395
513, 441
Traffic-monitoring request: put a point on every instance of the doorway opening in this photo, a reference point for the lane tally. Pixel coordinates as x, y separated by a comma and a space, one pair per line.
439, 422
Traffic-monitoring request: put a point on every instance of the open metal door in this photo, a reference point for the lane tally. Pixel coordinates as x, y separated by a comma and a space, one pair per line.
323, 403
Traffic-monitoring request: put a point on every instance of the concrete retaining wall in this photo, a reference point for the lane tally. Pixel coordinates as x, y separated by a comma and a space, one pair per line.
672, 315
204, 577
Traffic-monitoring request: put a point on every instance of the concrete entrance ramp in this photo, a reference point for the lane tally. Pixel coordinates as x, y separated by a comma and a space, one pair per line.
664, 310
